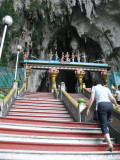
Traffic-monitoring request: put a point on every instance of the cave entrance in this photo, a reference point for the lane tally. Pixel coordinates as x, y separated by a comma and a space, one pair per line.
67, 39
64, 38
70, 80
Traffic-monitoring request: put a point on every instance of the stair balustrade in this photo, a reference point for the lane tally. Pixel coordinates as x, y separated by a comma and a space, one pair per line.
22, 90
7, 102
55, 92
71, 105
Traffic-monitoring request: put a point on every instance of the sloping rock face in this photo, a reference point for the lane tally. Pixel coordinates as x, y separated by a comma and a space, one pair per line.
90, 26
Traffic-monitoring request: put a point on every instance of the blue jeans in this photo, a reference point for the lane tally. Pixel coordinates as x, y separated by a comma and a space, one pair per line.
105, 110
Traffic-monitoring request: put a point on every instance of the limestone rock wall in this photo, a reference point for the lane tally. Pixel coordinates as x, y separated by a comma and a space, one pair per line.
35, 80
96, 21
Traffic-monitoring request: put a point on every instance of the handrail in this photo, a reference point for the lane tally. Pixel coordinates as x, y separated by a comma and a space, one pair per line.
70, 98
7, 102
22, 88
70, 104
6, 99
55, 92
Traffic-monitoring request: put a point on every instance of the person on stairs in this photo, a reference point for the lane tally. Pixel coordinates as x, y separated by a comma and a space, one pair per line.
104, 100
117, 95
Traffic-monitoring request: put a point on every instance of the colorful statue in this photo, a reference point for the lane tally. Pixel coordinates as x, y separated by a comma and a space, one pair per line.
56, 56
73, 57
78, 55
84, 57
62, 58
50, 56
104, 60
67, 55
25, 56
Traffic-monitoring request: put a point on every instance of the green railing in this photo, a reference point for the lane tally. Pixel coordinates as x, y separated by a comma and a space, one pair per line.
113, 78
7, 78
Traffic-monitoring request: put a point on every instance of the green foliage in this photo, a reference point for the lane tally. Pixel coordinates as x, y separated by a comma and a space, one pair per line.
41, 48
3, 61
15, 80
56, 22
13, 58
108, 31
37, 36
44, 20
7, 9
35, 5
20, 59
47, 50
14, 31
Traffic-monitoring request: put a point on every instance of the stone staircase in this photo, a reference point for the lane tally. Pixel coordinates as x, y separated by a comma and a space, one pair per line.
39, 127
78, 96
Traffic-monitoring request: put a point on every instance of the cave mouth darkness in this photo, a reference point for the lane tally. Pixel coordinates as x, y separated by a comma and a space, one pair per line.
70, 79
67, 39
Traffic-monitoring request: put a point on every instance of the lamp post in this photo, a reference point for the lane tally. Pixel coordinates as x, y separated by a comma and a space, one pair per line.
7, 21
19, 48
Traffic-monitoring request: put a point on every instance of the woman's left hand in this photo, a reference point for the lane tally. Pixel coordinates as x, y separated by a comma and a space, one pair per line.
88, 112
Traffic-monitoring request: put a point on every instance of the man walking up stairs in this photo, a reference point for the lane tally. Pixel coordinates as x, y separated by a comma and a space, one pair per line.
39, 127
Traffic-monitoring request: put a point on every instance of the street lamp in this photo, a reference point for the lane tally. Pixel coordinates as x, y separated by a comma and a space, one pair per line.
7, 21
19, 48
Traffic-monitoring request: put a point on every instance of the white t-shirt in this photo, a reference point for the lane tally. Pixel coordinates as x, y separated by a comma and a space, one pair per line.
117, 94
101, 93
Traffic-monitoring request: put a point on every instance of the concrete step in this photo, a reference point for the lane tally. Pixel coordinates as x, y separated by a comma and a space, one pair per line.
18, 109
45, 132
38, 102
34, 113
11, 154
46, 139
41, 118
49, 128
29, 104
55, 147
49, 123
38, 107
40, 96
24, 99
78, 96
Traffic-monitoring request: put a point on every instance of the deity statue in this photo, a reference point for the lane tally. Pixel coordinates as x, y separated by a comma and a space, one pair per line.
104, 60
84, 57
50, 56
56, 56
25, 56
62, 58
78, 55
67, 55
73, 57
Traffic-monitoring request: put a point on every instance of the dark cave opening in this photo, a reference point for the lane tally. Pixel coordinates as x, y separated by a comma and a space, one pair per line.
70, 81
67, 39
